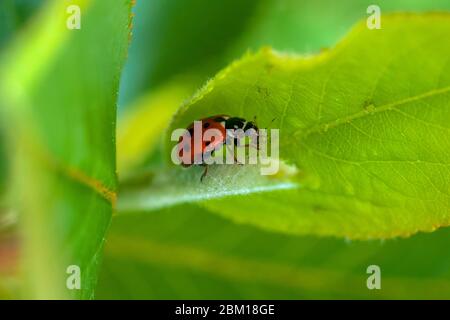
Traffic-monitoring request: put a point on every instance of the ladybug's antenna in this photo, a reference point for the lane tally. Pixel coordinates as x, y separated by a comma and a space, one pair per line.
273, 120
254, 119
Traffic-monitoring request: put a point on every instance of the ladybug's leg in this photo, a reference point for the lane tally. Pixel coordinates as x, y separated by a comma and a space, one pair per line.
252, 145
257, 141
205, 172
234, 155
237, 161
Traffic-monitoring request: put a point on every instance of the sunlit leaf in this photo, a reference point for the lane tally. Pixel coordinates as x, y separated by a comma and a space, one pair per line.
364, 126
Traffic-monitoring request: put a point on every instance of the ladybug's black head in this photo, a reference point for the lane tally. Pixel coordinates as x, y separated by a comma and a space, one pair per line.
250, 125
240, 123
235, 123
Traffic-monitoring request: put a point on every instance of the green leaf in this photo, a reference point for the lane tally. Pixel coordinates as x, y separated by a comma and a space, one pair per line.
14, 14
291, 25
186, 252
59, 92
202, 36
365, 125
150, 191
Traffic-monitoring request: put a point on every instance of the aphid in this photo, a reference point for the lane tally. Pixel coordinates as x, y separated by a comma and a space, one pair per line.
220, 122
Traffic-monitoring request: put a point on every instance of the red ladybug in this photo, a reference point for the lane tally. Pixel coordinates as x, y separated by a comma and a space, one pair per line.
219, 122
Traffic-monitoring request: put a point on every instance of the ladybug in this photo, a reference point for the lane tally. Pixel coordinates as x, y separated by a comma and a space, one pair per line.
221, 123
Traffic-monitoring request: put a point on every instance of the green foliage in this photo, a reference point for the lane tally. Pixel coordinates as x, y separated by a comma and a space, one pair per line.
309, 26
366, 130
186, 252
173, 37
13, 15
364, 140
61, 127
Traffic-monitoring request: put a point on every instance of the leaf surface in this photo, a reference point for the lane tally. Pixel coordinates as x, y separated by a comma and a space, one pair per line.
365, 124
59, 92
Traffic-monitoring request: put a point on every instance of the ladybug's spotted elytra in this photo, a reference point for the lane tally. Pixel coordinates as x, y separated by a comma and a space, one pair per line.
225, 125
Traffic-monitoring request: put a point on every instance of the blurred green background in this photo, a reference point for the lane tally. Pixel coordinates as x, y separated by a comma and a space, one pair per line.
186, 252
